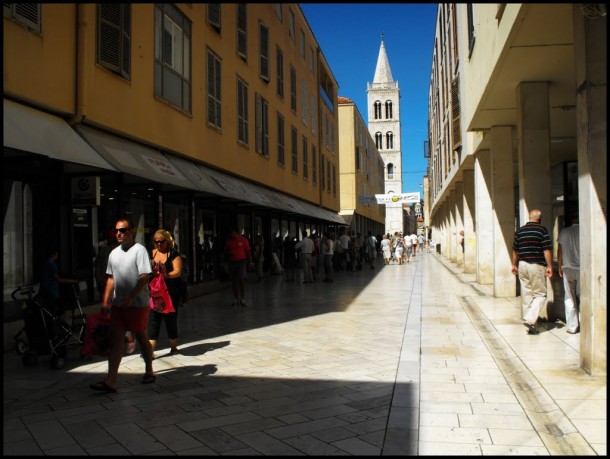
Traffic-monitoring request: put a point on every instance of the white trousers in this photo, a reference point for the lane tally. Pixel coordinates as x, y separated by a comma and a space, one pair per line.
533, 290
571, 285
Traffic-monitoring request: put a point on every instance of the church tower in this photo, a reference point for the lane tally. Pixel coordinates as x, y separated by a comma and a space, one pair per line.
383, 99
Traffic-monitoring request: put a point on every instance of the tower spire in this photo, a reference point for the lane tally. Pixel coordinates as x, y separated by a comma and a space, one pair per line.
383, 74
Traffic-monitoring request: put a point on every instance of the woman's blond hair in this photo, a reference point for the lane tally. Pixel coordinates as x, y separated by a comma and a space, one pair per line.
165, 235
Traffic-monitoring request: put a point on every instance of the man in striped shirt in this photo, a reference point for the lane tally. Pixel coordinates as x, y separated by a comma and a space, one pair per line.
532, 260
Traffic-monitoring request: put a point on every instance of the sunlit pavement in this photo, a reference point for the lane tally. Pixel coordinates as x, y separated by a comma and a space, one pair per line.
401, 360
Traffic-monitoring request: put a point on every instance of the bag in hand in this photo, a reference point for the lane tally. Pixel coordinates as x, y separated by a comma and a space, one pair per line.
160, 301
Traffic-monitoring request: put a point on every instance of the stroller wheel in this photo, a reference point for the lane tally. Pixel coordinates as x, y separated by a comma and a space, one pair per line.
29, 359
57, 363
21, 347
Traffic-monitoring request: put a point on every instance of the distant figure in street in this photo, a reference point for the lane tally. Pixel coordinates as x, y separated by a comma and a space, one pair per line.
239, 256
568, 259
532, 261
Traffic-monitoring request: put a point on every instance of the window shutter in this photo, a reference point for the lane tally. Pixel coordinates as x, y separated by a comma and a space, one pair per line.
28, 14
456, 125
264, 52
114, 37
211, 89
242, 31
214, 15
258, 121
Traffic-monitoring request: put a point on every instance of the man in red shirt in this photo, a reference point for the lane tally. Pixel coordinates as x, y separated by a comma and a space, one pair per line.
238, 256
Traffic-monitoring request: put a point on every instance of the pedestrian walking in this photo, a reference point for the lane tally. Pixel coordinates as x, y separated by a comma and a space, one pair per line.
290, 258
532, 261
127, 300
239, 258
371, 247
568, 259
166, 262
386, 249
306, 246
328, 246
259, 256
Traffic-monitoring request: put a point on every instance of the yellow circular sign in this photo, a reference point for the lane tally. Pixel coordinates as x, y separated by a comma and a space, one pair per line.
395, 198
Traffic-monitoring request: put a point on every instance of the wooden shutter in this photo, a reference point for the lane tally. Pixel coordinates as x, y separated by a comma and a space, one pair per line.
456, 125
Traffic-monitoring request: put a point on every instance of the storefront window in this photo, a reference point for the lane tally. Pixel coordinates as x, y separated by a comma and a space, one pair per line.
176, 220
140, 204
206, 260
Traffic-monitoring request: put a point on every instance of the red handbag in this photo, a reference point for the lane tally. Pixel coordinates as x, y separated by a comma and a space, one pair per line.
160, 301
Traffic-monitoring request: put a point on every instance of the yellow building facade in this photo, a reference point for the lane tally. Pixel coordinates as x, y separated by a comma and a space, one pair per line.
192, 117
361, 170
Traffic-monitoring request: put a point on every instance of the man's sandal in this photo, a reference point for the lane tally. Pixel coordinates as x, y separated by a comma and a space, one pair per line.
103, 387
148, 379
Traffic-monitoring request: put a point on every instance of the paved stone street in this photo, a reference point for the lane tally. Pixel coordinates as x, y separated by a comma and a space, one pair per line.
401, 360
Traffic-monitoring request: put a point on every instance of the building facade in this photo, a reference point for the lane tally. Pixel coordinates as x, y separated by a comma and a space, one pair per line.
383, 98
361, 170
517, 121
190, 117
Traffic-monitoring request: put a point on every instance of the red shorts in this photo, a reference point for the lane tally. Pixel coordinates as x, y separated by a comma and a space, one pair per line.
132, 319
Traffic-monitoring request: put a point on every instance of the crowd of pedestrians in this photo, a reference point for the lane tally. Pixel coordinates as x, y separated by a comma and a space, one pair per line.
319, 257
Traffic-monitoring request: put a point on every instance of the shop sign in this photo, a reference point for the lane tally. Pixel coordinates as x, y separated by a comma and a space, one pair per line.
389, 198
80, 218
86, 191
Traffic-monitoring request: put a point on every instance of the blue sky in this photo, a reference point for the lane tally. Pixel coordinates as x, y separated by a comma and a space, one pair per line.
350, 37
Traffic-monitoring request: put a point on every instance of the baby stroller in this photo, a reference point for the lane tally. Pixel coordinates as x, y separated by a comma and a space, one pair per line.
45, 333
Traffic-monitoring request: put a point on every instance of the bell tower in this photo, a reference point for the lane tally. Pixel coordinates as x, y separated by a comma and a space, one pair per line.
383, 99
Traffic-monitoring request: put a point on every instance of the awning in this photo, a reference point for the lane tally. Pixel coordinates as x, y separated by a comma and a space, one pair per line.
135, 159
216, 182
38, 132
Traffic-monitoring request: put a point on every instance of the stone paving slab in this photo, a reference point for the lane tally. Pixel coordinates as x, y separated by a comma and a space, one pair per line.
401, 360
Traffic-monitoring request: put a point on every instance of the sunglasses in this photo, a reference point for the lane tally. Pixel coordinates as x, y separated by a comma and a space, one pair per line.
121, 230
160, 242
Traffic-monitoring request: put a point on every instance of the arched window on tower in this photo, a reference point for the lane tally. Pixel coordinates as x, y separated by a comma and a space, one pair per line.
390, 175
378, 140
389, 141
377, 110
388, 109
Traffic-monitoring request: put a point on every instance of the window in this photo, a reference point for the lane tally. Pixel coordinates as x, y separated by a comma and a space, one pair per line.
281, 140
388, 109
263, 49
305, 159
313, 114
278, 11
214, 96
357, 158
328, 175
304, 98
390, 171
242, 31
27, 14
173, 56
302, 43
311, 60
314, 165
293, 89
280, 72
327, 136
470, 19
389, 140
322, 172
378, 140
293, 151
334, 181
113, 37
242, 111
291, 23
332, 137
213, 13
262, 126
377, 110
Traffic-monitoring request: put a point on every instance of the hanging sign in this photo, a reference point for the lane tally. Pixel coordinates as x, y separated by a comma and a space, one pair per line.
406, 198
86, 191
